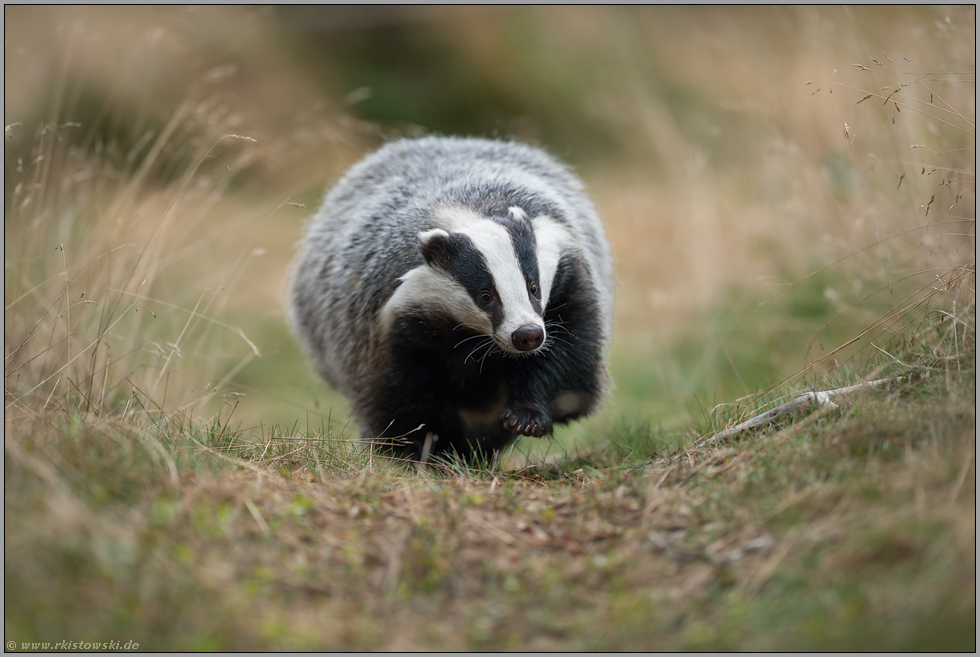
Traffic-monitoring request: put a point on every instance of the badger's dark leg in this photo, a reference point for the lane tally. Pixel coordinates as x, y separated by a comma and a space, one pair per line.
566, 380
400, 415
447, 390
408, 398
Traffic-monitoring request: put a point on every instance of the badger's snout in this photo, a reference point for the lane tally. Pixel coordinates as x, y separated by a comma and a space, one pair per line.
528, 337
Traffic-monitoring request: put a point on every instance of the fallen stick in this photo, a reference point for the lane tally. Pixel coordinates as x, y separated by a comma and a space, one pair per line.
804, 401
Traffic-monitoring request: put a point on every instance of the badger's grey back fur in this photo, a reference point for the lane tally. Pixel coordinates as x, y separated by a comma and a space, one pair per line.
365, 237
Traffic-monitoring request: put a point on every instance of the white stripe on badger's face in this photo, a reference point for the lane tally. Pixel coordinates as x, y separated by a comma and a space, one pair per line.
551, 238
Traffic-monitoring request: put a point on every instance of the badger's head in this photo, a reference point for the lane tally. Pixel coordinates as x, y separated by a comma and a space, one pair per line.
492, 275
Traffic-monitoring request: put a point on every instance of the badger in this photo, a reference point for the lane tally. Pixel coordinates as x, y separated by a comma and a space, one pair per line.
459, 292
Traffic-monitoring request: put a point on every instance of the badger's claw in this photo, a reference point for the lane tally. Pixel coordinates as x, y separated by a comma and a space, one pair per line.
526, 421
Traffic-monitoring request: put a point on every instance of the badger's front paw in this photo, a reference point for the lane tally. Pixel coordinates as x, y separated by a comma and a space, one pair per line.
526, 420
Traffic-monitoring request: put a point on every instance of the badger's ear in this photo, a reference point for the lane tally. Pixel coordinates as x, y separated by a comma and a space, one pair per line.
434, 246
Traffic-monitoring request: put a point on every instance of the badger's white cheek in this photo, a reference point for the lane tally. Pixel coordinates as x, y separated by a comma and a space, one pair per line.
425, 287
461, 307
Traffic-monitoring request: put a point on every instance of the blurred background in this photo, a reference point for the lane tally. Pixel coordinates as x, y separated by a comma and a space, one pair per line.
773, 180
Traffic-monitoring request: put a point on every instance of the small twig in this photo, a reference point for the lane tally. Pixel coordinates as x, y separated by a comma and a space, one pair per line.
46, 401
64, 260
745, 388
259, 520
286, 455
393, 572
79, 391
889, 355
960, 478
319, 466
222, 434
489, 528
239, 462
105, 377
426, 449
804, 401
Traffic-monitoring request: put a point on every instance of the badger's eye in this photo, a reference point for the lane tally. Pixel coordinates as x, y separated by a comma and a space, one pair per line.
533, 289
486, 297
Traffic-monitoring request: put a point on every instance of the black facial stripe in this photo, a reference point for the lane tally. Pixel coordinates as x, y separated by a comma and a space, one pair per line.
463, 261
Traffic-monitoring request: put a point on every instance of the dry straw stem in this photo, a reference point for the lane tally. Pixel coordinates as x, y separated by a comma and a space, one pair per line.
803, 402
230, 459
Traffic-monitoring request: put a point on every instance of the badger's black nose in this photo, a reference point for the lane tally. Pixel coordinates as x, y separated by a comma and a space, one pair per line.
528, 337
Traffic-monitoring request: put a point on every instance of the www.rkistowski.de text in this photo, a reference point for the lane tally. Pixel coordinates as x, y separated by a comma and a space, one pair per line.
73, 645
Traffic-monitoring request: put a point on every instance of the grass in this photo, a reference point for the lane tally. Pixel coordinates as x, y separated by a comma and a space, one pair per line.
849, 529
846, 529
175, 476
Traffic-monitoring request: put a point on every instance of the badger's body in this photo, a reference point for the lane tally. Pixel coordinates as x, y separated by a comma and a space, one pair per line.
459, 290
